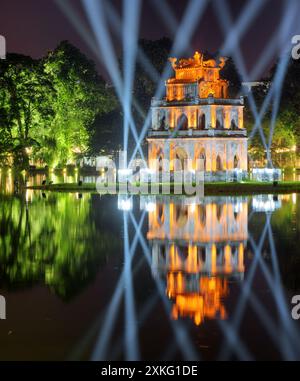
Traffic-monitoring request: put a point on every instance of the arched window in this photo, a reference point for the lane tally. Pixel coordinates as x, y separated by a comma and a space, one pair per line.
219, 164
202, 254
164, 250
182, 122
181, 157
162, 124
183, 252
222, 92
160, 157
233, 124
220, 119
160, 214
210, 75
219, 252
202, 214
202, 156
160, 164
236, 162
181, 160
202, 122
181, 215
219, 211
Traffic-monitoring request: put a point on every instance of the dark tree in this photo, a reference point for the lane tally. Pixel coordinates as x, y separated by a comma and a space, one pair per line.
231, 73
157, 53
107, 133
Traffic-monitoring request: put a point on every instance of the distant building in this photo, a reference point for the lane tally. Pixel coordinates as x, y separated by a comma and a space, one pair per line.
96, 162
247, 87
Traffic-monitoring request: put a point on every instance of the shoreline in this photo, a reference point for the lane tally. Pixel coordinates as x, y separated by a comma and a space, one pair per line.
217, 188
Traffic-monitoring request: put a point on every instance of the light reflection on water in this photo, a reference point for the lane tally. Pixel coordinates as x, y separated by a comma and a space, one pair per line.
197, 247
200, 277
10, 182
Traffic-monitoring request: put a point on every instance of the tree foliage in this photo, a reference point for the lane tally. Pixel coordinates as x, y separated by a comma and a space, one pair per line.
286, 132
81, 96
26, 95
231, 73
47, 106
147, 79
290, 98
61, 248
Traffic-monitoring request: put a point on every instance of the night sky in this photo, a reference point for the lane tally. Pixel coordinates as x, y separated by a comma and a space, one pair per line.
33, 27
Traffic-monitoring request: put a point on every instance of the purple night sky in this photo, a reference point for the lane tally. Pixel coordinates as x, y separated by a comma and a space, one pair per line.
33, 27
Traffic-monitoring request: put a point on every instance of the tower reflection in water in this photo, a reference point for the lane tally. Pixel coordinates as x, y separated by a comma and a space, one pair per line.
198, 247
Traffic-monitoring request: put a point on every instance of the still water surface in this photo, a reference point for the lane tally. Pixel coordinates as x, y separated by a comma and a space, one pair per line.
107, 277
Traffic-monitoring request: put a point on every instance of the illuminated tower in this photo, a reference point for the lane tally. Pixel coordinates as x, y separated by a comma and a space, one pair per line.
197, 120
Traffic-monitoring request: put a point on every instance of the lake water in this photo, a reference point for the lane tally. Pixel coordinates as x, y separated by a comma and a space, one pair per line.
107, 277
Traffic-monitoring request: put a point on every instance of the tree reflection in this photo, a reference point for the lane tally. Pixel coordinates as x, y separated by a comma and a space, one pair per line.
286, 232
53, 241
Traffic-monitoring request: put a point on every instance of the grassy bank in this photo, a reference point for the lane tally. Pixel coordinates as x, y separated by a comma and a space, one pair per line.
252, 187
66, 187
218, 188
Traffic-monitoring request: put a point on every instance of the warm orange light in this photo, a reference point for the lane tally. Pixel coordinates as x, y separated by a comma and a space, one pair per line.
199, 258
241, 267
199, 224
208, 303
241, 119
213, 116
227, 259
213, 259
206, 74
